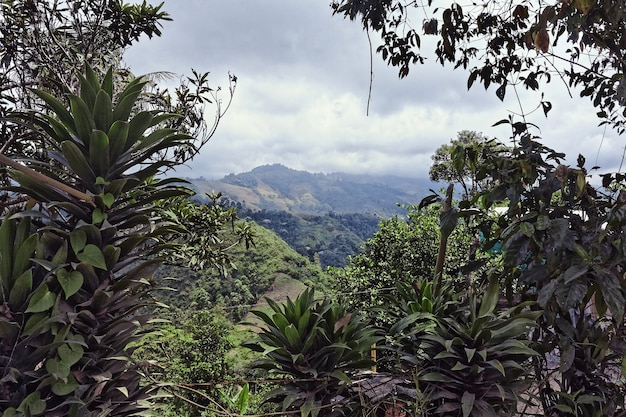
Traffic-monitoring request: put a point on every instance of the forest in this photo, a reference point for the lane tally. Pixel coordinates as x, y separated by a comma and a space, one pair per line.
122, 295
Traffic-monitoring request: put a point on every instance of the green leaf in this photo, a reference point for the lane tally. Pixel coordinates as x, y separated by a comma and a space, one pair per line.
543, 222
70, 353
71, 282
242, 399
98, 216
136, 128
99, 153
58, 108
60, 257
490, 299
78, 240
291, 333
118, 134
467, 403
24, 253
32, 404
527, 229
83, 118
65, 388
41, 300
57, 368
108, 199
21, 289
77, 161
107, 82
92, 255
127, 99
102, 111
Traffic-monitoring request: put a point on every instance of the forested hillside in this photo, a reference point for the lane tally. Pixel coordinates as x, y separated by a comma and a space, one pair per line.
252, 273
327, 240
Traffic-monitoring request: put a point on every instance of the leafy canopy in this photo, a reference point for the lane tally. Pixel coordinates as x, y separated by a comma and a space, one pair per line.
510, 45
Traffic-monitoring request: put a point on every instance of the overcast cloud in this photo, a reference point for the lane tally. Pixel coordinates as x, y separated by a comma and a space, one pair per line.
301, 99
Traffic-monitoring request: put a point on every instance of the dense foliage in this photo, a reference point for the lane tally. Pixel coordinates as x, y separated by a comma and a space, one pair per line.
402, 251
73, 299
42, 43
316, 345
509, 45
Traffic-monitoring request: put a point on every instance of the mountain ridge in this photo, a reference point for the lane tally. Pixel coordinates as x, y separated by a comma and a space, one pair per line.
277, 187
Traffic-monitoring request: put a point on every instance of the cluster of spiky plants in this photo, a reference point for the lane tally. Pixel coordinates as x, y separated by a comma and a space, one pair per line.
75, 266
316, 346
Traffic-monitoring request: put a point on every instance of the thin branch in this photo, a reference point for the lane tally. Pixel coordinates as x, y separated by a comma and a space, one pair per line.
369, 95
37, 176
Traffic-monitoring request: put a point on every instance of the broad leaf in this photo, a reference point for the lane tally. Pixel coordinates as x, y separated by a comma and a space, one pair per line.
92, 255
71, 282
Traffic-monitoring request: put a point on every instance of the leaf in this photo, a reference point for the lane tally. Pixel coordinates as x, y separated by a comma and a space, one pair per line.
65, 388
242, 399
83, 118
21, 289
78, 240
92, 255
543, 222
58, 369
501, 91
127, 99
99, 153
527, 229
448, 221
118, 133
574, 272
108, 199
467, 403
71, 282
98, 216
24, 253
41, 300
545, 293
77, 161
32, 404
490, 299
102, 111
70, 353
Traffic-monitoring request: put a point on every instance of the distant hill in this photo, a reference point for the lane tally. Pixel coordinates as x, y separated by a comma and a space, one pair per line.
276, 187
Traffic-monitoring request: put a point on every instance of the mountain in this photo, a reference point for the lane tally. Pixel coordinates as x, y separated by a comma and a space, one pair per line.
276, 187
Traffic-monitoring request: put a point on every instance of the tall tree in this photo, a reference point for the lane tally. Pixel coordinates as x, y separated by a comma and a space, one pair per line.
449, 166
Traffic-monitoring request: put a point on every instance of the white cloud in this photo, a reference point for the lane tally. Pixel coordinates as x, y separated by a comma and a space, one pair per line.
303, 90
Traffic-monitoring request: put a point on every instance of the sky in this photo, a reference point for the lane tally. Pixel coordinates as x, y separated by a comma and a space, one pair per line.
303, 87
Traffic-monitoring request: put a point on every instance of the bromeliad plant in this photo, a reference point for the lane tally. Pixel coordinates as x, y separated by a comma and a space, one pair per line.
75, 266
316, 346
473, 362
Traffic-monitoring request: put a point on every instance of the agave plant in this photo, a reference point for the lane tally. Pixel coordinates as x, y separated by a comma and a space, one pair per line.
315, 346
75, 269
470, 363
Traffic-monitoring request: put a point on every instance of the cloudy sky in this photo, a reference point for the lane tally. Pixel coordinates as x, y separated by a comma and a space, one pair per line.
301, 99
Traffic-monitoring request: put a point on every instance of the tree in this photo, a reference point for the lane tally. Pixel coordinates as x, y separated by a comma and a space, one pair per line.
445, 168
510, 45
190, 354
